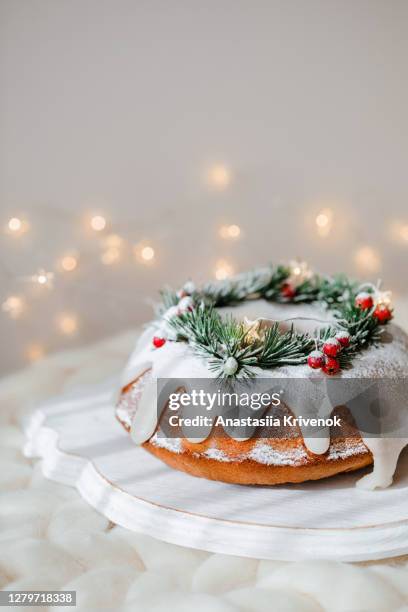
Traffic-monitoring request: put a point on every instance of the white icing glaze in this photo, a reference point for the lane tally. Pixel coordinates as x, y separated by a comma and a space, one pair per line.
177, 361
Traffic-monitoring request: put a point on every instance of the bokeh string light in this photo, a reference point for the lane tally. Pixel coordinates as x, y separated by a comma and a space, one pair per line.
69, 263
398, 231
113, 241
110, 256
16, 226
230, 232
98, 223
144, 253
113, 248
43, 278
14, 306
113, 245
219, 177
299, 272
367, 259
34, 352
67, 323
324, 222
384, 298
404, 232
223, 270
147, 253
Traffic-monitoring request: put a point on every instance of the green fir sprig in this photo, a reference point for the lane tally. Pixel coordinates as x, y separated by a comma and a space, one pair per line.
224, 340
219, 339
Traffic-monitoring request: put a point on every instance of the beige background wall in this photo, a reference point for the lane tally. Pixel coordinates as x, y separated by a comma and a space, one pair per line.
124, 107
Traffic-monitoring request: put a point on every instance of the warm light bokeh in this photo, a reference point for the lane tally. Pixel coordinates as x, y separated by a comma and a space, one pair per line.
14, 306
110, 256
324, 222
98, 223
69, 263
219, 177
223, 270
34, 352
67, 324
367, 259
230, 232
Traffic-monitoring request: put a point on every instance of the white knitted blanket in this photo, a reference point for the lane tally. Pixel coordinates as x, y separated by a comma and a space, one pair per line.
51, 539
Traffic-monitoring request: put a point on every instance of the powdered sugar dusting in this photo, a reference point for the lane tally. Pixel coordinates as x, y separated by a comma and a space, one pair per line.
217, 454
267, 455
342, 450
171, 444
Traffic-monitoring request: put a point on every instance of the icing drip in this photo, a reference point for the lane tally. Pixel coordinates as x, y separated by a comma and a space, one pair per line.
127, 408
386, 453
176, 361
146, 416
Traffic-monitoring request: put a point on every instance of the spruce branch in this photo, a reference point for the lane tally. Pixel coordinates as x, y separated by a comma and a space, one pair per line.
218, 338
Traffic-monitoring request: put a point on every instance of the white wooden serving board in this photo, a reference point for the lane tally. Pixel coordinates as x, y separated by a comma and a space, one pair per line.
83, 445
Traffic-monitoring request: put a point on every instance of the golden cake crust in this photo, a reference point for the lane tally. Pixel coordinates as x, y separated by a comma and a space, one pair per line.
258, 461
249, 472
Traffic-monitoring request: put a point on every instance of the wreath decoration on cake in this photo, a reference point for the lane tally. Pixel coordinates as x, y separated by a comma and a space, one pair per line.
238, 349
